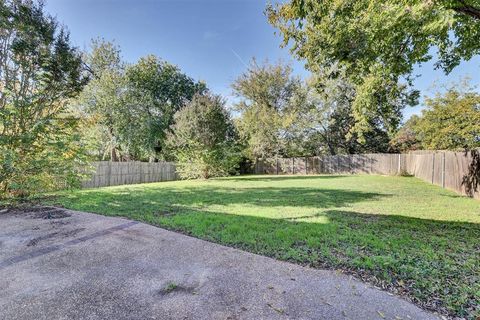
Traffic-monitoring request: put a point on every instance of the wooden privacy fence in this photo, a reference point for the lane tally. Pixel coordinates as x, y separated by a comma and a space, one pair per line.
446, 169
338, 164
108, 173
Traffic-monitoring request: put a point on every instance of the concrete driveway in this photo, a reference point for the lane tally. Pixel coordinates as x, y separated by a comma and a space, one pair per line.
58, 264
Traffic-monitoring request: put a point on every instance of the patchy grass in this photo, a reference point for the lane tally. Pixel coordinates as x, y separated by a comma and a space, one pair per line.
398, 233
170, 287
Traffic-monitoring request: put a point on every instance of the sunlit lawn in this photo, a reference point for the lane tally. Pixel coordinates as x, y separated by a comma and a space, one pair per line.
397, 232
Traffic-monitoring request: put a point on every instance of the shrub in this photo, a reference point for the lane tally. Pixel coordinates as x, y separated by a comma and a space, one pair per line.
202, 139
40, 72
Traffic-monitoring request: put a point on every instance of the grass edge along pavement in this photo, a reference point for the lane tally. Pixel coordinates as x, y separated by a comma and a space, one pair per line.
398, 233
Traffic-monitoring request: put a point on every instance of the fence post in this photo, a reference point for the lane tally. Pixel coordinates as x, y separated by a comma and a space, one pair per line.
443, 170
399, 163
391, 165
293, 165
433, 166
306, 168
276, 164
109, 173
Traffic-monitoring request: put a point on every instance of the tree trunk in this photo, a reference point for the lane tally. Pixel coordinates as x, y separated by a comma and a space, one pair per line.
113, 155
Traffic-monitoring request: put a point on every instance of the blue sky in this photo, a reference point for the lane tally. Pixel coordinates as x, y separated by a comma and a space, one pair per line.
210, 40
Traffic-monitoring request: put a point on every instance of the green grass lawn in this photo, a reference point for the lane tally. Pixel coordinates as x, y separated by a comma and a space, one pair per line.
398, 233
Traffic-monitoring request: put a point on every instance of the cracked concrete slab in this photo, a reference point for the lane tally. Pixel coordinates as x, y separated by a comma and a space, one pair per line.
85, 266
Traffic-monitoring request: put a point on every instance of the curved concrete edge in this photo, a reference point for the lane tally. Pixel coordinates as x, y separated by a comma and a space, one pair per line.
88, 266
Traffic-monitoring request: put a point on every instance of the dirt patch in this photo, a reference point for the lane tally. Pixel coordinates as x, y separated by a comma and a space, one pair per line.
48, 213
36, 212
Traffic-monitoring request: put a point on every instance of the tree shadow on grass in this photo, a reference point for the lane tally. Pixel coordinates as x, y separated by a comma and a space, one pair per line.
435, 263
126, 200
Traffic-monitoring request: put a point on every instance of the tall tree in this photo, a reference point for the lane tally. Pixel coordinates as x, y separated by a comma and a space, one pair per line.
329, 120
102, 103
281, 115
156, 90
130, 107
39, 72
203, 139
379, 42
270, 99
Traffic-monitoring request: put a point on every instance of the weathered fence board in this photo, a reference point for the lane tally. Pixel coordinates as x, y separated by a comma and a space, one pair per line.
108, 173
443, 168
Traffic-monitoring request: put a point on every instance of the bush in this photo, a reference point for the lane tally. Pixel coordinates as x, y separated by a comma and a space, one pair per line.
202, 139
40, 72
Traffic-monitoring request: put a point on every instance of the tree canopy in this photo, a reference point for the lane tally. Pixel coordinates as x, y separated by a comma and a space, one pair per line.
328, 122
131, 106
156, 90
282, 115
101, 104
270, 99
450, 121
39, 72
379, 42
